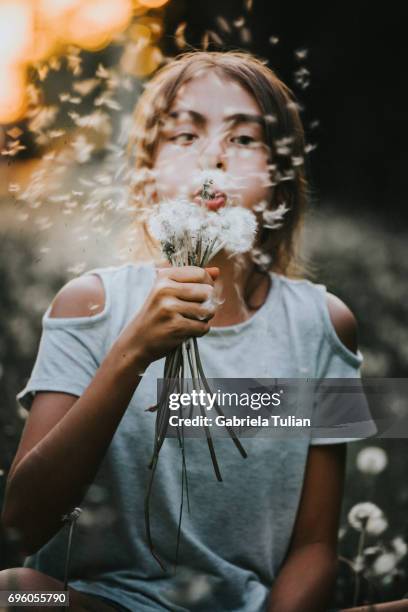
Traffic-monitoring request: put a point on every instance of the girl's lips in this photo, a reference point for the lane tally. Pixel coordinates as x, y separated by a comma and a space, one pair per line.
213, 204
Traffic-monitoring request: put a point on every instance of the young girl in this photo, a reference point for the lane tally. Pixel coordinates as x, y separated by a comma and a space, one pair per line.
265, 537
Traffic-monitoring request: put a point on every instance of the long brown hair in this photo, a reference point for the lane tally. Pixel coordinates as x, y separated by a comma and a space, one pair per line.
284, 136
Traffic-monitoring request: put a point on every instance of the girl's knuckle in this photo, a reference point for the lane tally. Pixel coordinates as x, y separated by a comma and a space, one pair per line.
162, 287
167, 305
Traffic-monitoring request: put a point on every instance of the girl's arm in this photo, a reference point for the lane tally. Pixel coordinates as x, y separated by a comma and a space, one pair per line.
66, 437
308, 575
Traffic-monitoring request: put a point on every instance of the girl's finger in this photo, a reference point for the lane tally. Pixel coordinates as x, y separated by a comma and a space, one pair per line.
192, 292
192, 310
188, 274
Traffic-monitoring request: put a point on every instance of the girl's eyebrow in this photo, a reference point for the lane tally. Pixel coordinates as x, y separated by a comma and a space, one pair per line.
235, 118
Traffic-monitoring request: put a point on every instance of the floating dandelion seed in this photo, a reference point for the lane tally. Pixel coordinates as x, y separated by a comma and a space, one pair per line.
102, 72
238, 23
245, 35
205, 41
215, 37
86, 86
42, 118
297, 161
42, 71
12, 148
54, 63
77, 269
56, 133
82, 149
274, 218
74, 61
14, 132
310, 147
301, 53
223, 24
302, 77
180, 35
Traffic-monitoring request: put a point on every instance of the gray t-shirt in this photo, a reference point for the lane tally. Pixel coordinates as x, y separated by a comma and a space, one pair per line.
235, 539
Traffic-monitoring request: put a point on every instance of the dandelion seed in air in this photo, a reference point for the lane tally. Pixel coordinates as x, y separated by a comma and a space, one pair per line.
180, 35
86, 86
301, 53
245, 35
238, 23
223, 24
215, 37
14, 132
82, 149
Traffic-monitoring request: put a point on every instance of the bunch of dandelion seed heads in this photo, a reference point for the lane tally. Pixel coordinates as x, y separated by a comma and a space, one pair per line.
190, 234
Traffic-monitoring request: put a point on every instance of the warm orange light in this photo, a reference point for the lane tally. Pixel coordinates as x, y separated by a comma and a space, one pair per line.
54, 10
141, 60
95, 22
16, 31
12, 93
152, 3
140, 32
34, 30
155, 25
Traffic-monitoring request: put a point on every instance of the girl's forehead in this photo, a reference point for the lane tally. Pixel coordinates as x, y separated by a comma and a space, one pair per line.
212, 92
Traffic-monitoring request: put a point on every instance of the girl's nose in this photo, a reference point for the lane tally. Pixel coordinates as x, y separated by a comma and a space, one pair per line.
213, 155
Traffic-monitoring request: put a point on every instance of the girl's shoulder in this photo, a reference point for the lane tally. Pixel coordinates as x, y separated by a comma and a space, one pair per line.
337, 321
97, 294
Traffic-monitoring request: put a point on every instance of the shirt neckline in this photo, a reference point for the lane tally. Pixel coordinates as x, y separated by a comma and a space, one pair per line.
236, 328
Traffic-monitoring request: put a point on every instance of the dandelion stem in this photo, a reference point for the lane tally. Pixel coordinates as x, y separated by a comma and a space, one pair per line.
359, 556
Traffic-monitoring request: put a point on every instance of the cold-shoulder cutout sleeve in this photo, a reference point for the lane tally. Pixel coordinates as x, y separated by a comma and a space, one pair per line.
70, 351
341, 410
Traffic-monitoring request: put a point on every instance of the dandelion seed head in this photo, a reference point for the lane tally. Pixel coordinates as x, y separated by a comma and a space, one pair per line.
384, 564
400, 547
368, 515
371, 460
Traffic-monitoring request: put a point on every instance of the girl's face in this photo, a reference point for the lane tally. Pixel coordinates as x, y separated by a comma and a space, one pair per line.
213, 124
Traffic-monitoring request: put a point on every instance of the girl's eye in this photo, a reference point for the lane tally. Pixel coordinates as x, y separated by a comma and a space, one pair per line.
243, 139
184, 137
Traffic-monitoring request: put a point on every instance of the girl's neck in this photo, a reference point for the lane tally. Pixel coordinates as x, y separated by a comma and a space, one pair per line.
242, 288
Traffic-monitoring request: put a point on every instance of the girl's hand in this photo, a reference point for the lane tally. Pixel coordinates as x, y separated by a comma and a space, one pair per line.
171, 312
